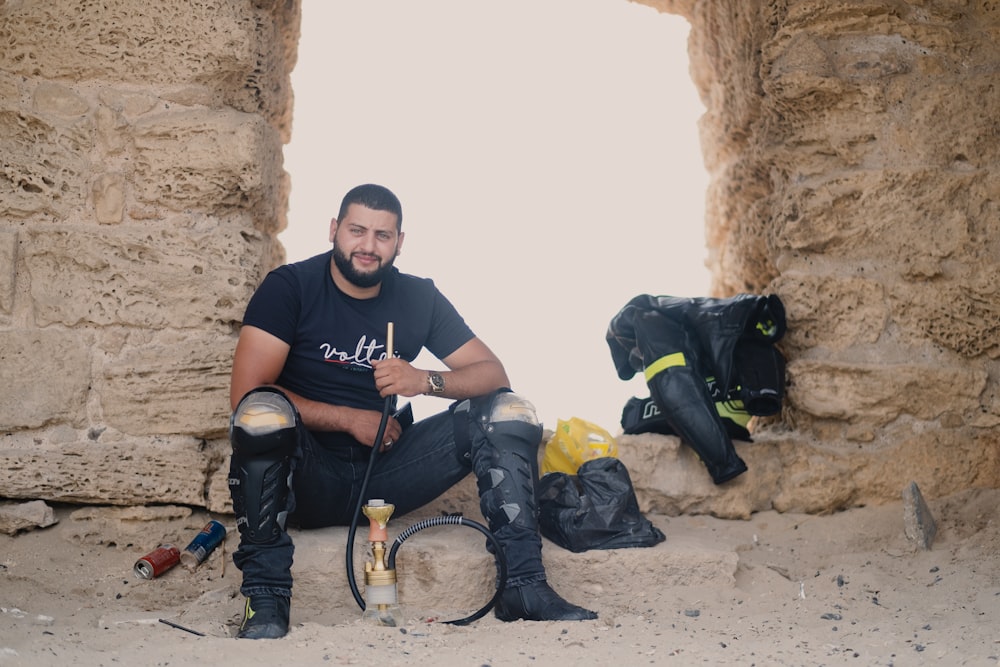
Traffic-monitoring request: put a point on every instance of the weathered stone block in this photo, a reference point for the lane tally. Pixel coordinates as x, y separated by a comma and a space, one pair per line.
831, 311
442, 565
159, 42
63, 467
46, 378
221, 160
669, 478
959, 315
790, 472
887, 217
15, 517
45, 164
189, 278
826, 475
946, 126
877, 394
169, 382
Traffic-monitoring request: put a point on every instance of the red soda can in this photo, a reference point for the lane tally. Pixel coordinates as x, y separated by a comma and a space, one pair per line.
157, 561
203, 543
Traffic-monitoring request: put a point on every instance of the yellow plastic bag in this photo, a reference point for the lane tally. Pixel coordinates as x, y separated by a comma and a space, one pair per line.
575, 442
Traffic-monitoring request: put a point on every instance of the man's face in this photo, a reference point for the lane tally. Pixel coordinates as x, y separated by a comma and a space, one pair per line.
365, 244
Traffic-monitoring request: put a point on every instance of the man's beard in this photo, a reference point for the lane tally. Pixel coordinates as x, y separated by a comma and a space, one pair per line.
355, 277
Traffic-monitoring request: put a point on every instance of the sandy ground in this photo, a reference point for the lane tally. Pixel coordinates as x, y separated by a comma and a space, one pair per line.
848, 588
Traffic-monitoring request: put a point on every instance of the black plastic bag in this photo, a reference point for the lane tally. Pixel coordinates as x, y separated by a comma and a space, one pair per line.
594, 509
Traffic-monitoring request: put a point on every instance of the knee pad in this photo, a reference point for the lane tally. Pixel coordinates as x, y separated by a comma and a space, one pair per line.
505, 461
510, 421
263, 433
264, 421
511, 413
480, 417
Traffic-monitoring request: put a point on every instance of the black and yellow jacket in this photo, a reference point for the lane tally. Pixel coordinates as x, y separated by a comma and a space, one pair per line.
704, 360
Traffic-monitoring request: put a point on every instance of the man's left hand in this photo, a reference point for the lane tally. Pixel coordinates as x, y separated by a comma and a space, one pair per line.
399, 377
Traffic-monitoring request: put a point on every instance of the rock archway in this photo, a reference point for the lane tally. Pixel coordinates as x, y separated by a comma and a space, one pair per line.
853, 162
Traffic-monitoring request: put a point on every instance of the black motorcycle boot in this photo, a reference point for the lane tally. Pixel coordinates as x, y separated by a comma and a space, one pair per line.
505, 462
538, 602
265, 617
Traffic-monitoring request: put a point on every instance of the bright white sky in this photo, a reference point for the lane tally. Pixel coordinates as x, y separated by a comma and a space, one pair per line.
546, 154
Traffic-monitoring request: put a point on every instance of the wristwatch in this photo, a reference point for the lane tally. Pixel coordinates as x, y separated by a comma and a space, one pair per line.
436, 381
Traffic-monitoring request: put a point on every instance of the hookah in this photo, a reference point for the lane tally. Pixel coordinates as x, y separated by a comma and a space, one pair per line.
382, 606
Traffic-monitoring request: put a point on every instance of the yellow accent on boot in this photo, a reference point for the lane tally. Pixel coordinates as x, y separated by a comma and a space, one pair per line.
248, 613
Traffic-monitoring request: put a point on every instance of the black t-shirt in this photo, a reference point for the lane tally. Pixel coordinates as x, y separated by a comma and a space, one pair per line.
334, 337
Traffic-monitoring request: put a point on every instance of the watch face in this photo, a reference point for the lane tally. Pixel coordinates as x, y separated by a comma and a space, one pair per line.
437, 382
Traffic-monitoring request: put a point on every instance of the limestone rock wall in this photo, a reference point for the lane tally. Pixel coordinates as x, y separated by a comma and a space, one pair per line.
141, 188
853, 148
854, 154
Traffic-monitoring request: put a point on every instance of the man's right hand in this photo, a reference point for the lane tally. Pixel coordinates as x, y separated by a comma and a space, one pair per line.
363, 427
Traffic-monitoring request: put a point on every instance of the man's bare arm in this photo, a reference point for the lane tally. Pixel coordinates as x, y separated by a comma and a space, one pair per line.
473, 370
258, 361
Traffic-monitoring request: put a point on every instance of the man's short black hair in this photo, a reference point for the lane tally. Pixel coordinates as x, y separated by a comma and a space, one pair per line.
375, 197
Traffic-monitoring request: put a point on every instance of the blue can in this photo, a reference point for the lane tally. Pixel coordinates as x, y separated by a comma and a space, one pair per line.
204, 542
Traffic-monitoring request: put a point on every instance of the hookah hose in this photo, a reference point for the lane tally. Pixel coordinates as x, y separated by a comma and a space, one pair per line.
459, 521
386, 408
426, 523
